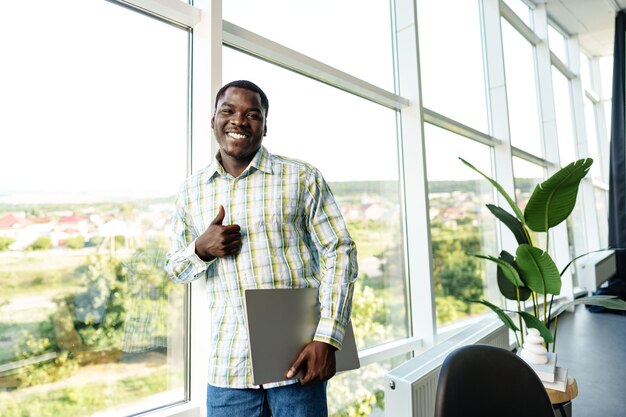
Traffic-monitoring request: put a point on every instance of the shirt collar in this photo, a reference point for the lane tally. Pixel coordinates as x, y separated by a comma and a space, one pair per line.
261, 162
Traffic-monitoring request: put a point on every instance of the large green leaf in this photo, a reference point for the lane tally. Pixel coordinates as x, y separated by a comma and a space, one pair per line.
535, 323
508, 270
508, 322
608, 301
538, 269
554, 199
507, 289
510, 221
501, 190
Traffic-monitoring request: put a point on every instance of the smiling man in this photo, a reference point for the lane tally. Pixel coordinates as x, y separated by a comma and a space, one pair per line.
252, 219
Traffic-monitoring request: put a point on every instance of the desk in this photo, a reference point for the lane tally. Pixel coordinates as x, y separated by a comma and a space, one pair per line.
562, 400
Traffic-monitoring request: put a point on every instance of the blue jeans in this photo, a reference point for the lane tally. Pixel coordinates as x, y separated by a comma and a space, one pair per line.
293, 400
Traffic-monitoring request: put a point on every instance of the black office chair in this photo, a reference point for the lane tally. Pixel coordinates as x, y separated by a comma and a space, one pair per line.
486, 381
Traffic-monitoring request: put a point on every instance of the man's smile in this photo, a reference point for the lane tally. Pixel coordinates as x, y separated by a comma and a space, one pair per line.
236, 136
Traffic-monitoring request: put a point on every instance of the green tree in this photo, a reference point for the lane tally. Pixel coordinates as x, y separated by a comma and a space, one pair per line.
41, 243
457, 273
5, 242
75, 242
99, 309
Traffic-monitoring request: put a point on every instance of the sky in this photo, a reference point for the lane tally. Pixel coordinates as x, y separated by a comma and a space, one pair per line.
87, 107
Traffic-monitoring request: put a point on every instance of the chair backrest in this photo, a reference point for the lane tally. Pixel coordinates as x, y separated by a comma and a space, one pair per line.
486, 381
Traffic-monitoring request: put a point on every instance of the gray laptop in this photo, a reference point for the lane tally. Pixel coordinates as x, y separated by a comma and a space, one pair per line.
281, 322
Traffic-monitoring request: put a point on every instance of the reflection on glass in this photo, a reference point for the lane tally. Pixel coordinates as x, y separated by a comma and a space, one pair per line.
461, 225
521, 91
451, 65
89, 323
350, 35
557, 43
521, 10
361, 393
564, 121
325, 127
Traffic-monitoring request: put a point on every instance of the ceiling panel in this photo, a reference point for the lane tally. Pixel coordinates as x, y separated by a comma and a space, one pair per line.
592, 20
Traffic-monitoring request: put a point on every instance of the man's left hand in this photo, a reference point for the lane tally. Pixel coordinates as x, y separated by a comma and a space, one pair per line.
317, 361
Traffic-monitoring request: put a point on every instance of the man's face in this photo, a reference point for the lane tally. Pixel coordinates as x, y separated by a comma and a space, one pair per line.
239, 124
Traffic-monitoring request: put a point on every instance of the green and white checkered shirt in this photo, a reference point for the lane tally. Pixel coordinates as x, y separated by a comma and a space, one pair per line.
293, 236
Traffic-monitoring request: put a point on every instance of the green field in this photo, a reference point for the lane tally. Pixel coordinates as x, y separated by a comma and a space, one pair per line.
38, 272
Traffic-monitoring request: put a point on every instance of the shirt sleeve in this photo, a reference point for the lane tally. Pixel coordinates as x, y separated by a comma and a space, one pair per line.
337, 260
182, 263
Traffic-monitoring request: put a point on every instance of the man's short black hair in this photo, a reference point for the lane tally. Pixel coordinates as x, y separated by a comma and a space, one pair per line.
248, 85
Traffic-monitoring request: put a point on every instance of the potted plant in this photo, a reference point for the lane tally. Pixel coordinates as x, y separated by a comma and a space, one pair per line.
530, 273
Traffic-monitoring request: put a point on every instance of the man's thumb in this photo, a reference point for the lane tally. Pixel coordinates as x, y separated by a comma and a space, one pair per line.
220, 216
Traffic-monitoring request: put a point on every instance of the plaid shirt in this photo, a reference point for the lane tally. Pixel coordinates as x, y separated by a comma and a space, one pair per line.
293, 236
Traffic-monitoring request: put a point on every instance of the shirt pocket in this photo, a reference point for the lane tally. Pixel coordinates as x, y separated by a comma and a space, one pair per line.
278, 218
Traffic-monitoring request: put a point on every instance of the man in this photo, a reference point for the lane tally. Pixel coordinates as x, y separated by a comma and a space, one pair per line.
256, 220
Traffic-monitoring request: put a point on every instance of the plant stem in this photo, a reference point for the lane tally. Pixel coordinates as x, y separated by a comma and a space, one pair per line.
556, 325
545, 309
535, 297
550, 309
519, 317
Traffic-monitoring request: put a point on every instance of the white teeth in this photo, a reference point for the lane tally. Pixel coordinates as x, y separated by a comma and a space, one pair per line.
236, 135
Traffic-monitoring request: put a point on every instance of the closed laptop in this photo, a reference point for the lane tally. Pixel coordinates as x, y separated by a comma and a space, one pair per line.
280, 322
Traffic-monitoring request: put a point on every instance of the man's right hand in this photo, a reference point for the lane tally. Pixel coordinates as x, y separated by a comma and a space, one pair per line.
218, 240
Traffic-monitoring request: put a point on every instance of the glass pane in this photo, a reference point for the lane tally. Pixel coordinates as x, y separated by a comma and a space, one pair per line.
526, 176
461, 225
576, 235
606, 76
564, 120
350, 35
521, 9
557, 43
321, 125
89, 322
592, 138
585, 71
602, 213
452, 63
521, 90
361, 393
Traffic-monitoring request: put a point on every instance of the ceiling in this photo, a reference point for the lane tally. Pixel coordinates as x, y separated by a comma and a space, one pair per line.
592, 20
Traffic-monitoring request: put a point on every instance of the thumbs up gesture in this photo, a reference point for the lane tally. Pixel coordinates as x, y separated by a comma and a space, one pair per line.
219, 240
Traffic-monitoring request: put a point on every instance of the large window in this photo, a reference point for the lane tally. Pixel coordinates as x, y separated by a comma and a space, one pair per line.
558, 44
591, 122
521, 10
461, 225
521, 90
353, 142
106, 109
94, 147
564, 121
319, 30
453, 80
527, 176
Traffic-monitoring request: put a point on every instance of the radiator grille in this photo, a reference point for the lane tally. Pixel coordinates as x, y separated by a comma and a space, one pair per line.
411, 387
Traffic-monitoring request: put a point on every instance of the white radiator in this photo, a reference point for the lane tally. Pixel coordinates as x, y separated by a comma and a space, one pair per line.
410, 388
596, 268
